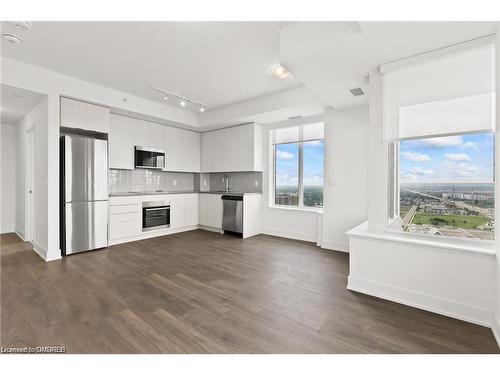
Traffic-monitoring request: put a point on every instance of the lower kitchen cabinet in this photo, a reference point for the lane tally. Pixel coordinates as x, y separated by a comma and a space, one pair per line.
125, 216
210, 207
191, 202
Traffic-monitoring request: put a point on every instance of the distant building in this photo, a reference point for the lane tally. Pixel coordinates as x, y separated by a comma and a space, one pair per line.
287, 199
438, 209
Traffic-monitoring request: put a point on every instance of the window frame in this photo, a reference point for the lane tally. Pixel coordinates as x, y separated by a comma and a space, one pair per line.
394, 223
300, 176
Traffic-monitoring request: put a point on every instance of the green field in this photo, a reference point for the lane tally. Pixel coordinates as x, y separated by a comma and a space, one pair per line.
403, 211
466, 222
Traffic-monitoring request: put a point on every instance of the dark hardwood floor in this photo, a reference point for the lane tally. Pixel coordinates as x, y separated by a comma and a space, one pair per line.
199, 292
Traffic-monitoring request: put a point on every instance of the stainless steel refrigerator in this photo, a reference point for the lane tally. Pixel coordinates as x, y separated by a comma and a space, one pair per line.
84, 194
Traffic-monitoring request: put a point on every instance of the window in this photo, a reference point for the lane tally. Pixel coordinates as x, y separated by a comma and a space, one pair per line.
287, 174
298, 166
439, 123
446, 186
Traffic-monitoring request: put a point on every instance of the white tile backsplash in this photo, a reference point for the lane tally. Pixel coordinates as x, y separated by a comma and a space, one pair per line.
121, 181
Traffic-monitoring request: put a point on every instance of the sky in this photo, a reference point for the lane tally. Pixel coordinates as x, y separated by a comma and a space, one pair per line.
454, 159
287, 156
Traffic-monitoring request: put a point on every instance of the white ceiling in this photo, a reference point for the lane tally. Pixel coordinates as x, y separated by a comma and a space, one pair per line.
330, 58
15, 103
217, 63
225, 64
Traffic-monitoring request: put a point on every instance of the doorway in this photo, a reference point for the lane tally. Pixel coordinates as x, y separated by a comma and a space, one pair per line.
29, 177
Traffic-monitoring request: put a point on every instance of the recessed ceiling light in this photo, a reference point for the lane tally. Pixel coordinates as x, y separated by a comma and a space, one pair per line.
22, 25
11, 38
279, 72
182, 103
202, 109
165, 97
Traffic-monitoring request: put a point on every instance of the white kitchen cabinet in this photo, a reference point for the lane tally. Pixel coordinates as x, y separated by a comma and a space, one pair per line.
172, 140
98, 118
121, 142
124, 218
191, 202
156, 136
81, 115
232, 149
73, 113
191, 151
182, 150
210, 210
177, 213
141, 133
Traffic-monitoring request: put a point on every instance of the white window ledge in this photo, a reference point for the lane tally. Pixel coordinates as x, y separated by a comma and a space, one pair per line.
477, 247
296, 208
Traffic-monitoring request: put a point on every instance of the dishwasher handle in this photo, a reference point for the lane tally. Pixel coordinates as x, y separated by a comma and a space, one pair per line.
232, 197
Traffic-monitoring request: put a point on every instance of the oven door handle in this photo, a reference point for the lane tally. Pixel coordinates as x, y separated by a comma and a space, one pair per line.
157, 208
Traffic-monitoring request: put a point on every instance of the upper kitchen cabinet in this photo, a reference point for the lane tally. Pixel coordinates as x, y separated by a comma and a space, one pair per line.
81, 115
182, 150
121, 142
232, 149
98, 118
191, 150
156, 136
141, 133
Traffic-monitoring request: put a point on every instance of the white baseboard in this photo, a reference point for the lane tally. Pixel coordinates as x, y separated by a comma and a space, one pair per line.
495, 327
291, 235
40, 250
453, 309
337, 246
210, 229
7, 230
19, 233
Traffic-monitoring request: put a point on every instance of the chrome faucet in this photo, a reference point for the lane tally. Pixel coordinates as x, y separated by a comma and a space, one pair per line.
225, 179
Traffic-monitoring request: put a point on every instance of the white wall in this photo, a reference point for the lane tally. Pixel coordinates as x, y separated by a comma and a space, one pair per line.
453, 278
346, 174
37, 117
8, 179
285, 222
452, 282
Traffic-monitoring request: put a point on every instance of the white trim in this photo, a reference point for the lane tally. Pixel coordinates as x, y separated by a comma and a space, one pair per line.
210, 229
438, 53
463, 246
42, 252
20, 234
495, 327
290, 235
336, 246
10, 229
433, 304
297, 208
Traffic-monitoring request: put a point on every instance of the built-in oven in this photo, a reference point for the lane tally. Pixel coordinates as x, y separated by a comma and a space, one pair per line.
155, 215
147, 157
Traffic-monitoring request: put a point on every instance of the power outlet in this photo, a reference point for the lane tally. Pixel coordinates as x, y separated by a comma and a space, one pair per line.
175, 182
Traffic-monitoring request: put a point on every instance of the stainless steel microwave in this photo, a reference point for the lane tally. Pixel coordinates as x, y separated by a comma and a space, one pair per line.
147, 157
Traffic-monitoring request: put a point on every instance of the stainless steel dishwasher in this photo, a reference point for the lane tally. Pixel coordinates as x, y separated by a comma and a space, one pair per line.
232, 217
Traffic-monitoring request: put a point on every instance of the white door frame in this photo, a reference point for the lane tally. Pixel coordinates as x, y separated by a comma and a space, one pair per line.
29, 193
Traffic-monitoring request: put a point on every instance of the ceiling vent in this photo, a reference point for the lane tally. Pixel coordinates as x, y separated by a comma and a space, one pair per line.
358, 91
294, 117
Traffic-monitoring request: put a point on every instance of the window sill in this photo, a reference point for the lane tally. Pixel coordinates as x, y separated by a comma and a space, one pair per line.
476, 247
294, 208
